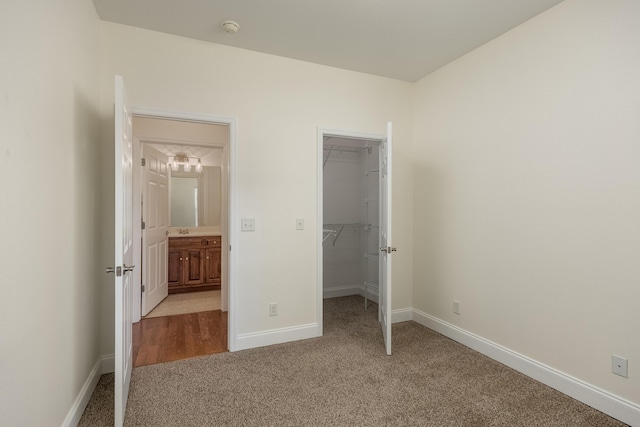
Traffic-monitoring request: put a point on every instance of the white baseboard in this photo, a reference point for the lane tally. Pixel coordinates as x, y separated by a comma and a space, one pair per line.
108, 363
340, 291
80, 403
615, 406
276, 336
401, 315
344, 291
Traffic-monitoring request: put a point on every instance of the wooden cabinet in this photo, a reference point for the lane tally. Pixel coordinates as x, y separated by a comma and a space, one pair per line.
194, 263
212, 267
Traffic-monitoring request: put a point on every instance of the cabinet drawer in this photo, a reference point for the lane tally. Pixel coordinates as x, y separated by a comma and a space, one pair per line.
213, 241
194, 242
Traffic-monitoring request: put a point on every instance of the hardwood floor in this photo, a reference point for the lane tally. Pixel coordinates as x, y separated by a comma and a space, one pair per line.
182, 336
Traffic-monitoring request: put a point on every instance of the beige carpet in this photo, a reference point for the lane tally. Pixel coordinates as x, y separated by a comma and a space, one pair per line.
188, 302
342, 379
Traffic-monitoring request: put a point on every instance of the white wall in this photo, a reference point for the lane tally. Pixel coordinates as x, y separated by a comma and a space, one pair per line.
211, 178
279, 104
49, 207
527, 191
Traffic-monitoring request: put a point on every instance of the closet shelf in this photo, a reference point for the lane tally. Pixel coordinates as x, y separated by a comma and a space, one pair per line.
327, 233
338, 228
374, 285
343, 224
339, 149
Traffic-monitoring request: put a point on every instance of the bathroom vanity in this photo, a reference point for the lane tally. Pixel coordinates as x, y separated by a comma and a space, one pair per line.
194, 263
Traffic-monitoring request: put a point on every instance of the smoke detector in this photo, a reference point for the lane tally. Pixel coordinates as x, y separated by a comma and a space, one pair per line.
230, 27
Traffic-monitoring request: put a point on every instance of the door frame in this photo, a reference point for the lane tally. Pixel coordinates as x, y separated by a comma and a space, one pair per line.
231, 298
322, 132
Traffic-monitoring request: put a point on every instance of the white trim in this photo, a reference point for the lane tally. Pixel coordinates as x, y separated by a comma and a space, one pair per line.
319, 203
344, 291
80, 403
319, 233
341, 291
602, 400
401, 315
108, 364
232, 171
276, 336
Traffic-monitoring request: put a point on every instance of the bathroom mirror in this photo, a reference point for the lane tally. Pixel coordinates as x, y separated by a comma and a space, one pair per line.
196, 198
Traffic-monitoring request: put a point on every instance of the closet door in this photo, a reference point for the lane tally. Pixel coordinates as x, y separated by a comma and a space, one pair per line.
386, 248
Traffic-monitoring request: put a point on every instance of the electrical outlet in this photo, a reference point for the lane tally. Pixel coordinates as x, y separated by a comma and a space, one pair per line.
273, 309
619, 366
456, 307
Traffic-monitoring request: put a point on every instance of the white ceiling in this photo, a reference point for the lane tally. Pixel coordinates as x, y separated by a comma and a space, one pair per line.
401, 39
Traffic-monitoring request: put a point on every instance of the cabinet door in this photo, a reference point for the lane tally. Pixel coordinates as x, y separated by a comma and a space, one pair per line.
175, 276
213, 265
194, 266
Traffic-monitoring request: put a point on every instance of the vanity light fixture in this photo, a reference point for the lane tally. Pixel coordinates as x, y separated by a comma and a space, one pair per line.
182, 159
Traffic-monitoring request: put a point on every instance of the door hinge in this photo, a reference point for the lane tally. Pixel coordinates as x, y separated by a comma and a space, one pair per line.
144, 225
143, 161
142, 288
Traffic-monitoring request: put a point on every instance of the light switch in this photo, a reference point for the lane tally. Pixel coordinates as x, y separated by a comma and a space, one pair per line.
247, 224
299, 223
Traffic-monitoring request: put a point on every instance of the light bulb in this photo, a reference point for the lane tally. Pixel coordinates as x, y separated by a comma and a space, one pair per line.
199, 166
187, 167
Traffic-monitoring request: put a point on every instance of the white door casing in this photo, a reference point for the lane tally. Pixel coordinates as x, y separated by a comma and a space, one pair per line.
155, 202
123, 249
386, 249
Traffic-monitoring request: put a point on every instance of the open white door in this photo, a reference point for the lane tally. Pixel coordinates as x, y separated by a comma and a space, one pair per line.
155, 202
386, 249
123, 249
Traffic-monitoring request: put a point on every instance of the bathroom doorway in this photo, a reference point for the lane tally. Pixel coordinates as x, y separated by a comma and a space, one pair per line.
185, 265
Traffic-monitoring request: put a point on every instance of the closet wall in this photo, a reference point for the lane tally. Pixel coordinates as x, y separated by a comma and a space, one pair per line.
350, 211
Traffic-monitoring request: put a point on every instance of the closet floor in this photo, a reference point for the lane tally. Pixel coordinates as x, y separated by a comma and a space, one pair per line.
177, 337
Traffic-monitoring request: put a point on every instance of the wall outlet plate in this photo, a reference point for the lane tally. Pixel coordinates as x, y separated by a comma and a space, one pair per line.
619, 366
456, 307
247, 224
273, 309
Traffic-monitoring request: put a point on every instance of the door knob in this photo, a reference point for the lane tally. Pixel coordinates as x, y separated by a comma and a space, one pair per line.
128, 267
117, 270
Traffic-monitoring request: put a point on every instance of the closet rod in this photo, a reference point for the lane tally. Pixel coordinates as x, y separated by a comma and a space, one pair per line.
345, 149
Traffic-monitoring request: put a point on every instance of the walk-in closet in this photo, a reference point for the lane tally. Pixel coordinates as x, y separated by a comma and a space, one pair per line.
351, 211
